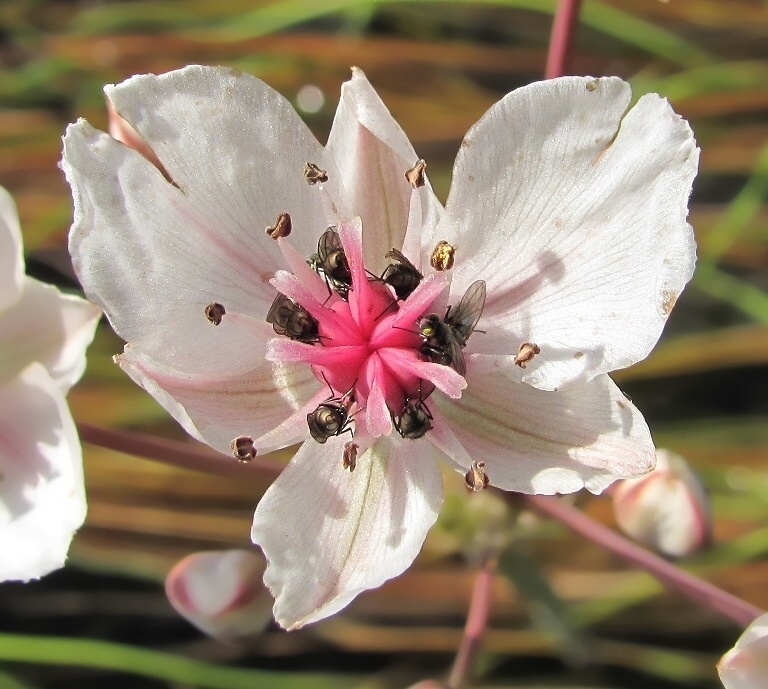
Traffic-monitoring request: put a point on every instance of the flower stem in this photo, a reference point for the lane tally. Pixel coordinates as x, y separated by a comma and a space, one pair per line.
174, 452
477, 619
561, 38
736, 609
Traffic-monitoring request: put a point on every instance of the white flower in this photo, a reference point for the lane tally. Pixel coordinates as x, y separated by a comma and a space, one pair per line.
667, 509
570, 210
43, 337
745, 666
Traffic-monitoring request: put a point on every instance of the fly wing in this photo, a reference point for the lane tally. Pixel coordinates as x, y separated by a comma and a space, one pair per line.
453, 348
280, 299
400, 258
464, 317
328, 243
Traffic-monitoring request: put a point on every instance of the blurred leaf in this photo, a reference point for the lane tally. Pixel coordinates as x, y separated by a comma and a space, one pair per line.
155, 664
546, 608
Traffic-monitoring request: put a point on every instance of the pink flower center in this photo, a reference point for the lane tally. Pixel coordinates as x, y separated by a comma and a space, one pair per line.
367, 348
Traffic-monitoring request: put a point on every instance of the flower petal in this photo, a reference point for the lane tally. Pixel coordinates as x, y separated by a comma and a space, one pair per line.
535, 441
42, 498
373, 154
745, 666
216, 407
11, 256
329, 534
50, 327
153, 252
574, 213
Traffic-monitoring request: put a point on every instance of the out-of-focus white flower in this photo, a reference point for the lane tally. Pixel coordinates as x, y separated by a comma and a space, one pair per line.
221, 592
667, 509
43, 337
567, 210
745, 666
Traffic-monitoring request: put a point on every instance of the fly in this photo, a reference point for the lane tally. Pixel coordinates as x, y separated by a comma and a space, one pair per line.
290, 319
331, 418
415, 419
401, 275
332, 262
444, 338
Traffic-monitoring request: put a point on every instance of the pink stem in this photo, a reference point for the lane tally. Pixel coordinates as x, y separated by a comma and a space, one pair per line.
174, 452
561, 38
477, 619
697, 589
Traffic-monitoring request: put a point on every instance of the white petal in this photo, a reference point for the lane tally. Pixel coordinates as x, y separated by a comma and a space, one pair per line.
155, 255
535, 441
11, 257
373, 154
329, 534
50, 327
574, 213
216, 407
42, 498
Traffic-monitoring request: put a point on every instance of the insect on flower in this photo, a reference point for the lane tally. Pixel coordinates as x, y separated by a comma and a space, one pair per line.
291, 320
401, 275
331, 417
444, 338
415, 419
332, 262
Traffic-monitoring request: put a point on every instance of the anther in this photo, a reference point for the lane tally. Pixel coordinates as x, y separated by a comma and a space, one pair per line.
527, 351
349, 459
476, 479
313, 174
243, 449
281, 228
415, 175
214, 312
442, 257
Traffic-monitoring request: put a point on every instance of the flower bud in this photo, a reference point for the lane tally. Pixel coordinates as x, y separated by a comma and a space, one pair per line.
745, 666
221, 592
667, 509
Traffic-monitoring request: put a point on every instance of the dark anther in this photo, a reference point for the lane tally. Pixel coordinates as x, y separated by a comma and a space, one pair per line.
214, 312
442, 256
527, 351
281, 228
476, 479
243, 449
415, 175
349, 459
313, 174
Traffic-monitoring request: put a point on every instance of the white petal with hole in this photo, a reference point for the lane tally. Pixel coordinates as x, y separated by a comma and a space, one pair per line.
536, 441
42, 499
574, 213
328, 534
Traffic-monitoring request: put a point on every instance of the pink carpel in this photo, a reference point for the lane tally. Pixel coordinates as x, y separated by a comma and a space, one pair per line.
369, 345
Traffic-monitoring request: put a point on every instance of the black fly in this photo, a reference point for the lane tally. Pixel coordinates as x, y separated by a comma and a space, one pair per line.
444, 338
290, 319
331, 417
332, 262
401, 275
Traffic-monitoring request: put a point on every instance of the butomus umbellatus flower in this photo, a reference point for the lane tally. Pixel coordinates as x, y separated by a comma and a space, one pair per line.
564, 241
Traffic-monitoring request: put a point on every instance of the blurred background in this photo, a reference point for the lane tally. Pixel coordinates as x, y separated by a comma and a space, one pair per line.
565, 614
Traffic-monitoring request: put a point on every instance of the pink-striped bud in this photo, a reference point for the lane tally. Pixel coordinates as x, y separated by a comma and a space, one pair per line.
667, 509
745, 666
221, 592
